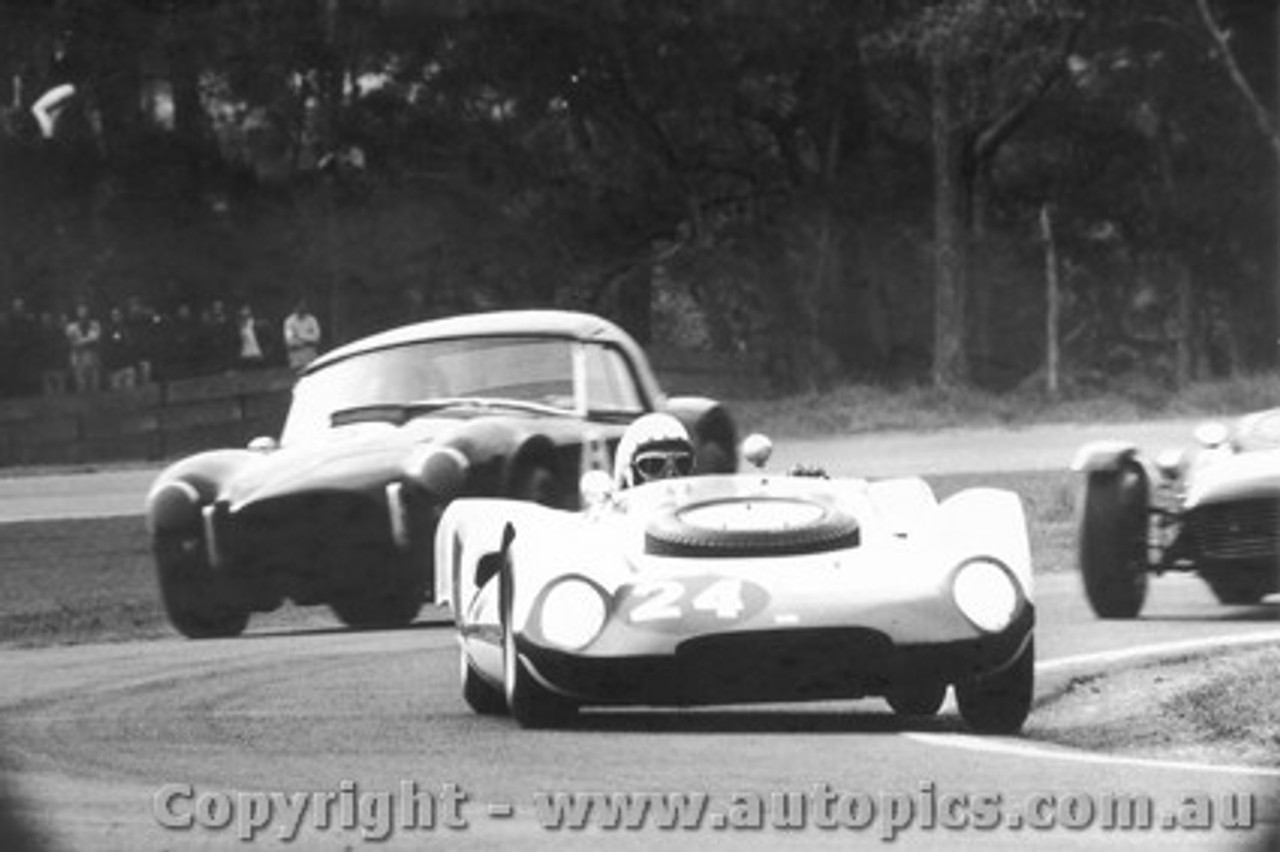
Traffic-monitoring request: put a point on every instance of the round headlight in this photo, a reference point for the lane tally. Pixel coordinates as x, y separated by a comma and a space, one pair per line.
987, 595
573, 613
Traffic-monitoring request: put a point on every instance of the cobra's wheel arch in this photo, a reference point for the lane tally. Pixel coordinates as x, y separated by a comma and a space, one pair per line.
535, 458
712, 429
200, 476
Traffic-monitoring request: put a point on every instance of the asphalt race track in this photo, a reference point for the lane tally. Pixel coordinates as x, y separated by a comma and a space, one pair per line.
369, 732
120, 491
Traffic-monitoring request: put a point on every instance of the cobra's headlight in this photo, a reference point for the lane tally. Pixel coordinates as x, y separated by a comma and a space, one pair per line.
573, 613
987, 594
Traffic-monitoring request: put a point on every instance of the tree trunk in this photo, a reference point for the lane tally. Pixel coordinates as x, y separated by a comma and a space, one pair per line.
1187, 352
950, 359
1052, 348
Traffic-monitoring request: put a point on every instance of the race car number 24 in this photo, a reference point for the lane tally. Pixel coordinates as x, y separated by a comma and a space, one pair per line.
671, 604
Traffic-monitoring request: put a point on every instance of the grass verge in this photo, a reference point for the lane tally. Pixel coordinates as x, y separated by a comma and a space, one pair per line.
849, 409
1213, 708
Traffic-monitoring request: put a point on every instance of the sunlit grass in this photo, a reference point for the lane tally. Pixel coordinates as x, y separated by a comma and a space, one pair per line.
1238, 703
849, 409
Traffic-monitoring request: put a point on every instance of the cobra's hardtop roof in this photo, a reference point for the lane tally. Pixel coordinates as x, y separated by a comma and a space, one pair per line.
556, 323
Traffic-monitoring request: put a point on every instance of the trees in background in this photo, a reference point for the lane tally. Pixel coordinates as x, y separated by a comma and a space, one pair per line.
833, 189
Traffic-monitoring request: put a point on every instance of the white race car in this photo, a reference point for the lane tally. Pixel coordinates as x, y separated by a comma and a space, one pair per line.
729, 589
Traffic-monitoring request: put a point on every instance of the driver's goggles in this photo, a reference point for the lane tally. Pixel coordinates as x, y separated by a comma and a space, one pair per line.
663, 464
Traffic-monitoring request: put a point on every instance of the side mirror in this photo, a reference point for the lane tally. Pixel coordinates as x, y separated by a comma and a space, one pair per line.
757, 449
264, 444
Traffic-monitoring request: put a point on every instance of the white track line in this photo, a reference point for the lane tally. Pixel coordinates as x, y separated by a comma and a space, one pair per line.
1020, 748
1155, 650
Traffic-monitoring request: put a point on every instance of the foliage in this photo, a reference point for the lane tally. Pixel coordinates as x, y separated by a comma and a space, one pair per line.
765, 166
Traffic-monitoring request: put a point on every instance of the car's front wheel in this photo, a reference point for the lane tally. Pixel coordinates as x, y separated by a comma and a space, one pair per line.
198, 606
535, 483
1113, 541
714, 457
385, 607
917, 699
481, 696
999, 703
531, 704
1240, 587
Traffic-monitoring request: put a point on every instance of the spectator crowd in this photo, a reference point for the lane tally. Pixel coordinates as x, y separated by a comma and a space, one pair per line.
133, 344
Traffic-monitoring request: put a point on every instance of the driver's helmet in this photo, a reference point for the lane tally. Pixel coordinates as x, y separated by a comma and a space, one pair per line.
655, 446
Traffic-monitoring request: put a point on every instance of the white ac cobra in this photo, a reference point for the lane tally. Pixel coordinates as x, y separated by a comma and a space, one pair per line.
741, 588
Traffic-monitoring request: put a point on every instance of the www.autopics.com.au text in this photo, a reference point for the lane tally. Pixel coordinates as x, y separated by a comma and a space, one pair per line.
377, 814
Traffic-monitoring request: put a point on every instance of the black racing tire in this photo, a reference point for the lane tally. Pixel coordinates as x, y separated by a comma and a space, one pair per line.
1240, 587
1112, 545
530, 703
481, 696
387, 606
535, 483
672, 533
381, 610
999, 703
198, 605
920, 698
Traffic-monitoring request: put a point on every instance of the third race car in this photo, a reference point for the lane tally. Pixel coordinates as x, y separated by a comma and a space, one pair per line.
1212, 509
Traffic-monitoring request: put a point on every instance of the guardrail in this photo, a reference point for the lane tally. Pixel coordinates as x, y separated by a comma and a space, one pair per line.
152, 422
173, 419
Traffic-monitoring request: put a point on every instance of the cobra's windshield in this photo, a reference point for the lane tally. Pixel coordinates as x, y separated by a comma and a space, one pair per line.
526, 369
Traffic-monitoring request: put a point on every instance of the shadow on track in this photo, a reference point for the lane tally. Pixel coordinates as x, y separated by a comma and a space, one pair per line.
755, 720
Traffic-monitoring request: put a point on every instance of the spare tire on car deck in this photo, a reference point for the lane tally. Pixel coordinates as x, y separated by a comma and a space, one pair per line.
750, 526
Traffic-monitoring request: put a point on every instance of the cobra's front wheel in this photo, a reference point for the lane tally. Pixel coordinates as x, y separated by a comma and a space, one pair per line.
198, 605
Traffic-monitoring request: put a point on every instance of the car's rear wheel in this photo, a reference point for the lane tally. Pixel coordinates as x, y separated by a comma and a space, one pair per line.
530, 703
999, 703
1113, 541
198, 605
481, 696
917, 699
713, 457
536, 483
384, 607
1240, 587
